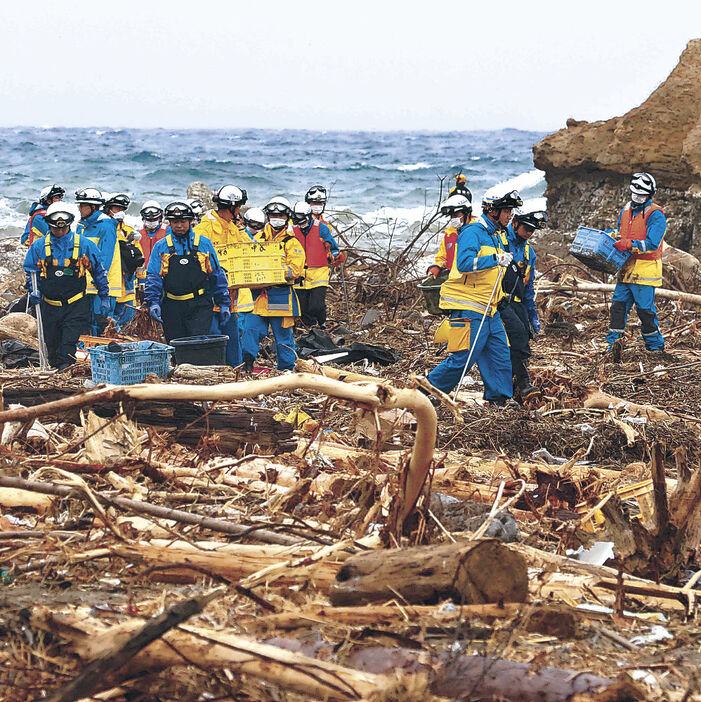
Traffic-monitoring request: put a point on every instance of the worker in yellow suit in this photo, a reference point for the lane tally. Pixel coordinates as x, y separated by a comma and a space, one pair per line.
276, 306
219, 226
131, 255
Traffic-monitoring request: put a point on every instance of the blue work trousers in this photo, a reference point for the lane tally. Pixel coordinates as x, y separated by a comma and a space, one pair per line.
231, 329
490, 350
256, 329
624, 296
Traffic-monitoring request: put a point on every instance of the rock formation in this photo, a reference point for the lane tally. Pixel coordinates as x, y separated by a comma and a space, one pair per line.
588, 165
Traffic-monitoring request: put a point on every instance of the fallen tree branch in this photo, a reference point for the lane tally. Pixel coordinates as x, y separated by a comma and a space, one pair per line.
99, 672
373, 395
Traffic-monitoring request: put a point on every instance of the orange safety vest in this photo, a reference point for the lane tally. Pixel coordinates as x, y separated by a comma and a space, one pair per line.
147, 242
635, 229
30, 240
313, 245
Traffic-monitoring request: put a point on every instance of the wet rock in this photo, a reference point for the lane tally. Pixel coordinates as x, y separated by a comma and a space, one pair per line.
370, 318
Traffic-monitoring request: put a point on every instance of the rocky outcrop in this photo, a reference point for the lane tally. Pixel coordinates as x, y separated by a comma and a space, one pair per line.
588, 165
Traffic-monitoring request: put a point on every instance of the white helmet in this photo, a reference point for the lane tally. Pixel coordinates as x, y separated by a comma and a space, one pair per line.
455, 204
301, 212
230, 196
59, 214
643, 184
151, 211
89, 196
278, 204
49, 192
196, 205
254, 217
498, 197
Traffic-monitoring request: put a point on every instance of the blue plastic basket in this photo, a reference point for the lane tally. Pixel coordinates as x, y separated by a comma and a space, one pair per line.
132, 365
595, 249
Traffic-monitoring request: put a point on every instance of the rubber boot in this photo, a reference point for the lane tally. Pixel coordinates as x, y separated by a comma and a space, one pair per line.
248, 362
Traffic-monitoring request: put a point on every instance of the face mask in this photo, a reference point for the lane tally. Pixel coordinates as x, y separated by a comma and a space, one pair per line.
151, 226
277, 222
119, 216
638, 199
455, 222
317, 209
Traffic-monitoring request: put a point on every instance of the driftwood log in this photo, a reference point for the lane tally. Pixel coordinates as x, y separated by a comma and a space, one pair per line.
370, 395
475, 572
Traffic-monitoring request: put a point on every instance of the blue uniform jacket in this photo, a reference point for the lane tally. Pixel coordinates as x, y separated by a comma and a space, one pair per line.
471, 239
218, 284
38, 224
517, 246
656, 226
61, 249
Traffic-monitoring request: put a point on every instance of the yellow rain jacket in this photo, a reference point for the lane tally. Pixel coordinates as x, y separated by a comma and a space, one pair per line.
475, 271
222, 233
123, 232
102, 231
281, 300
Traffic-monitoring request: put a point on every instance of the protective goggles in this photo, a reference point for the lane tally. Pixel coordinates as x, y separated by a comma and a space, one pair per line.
318, 193
277, 208
151, 214
59, 220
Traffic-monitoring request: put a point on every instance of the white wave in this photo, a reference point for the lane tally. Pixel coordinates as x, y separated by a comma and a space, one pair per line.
397, 215
293, 164
9, 217
414, 166
524, 180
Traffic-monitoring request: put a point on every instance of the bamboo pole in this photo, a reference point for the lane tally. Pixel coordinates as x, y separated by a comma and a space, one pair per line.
581, 286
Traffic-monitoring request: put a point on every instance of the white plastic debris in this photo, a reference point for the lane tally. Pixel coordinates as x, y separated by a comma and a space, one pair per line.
598, 554
657, 633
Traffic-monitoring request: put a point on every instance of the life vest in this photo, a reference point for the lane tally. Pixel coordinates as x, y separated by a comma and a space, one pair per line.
30, 226
450, 240
313, 245
183, 275
62, 284
634, 228
148, 241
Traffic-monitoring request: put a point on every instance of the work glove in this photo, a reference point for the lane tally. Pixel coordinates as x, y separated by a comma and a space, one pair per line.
34, 298
224, 316
155, 312
339, 259
434, 271
535, 324
105, 306
504, 258
623, 245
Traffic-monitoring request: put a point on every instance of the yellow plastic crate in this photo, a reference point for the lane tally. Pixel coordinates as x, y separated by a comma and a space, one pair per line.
254, 265
641, 492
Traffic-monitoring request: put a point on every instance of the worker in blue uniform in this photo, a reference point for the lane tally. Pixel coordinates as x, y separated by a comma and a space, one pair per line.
101, 229
472, 293
36, 225
185, 285
62, 261
641, 229
517, 308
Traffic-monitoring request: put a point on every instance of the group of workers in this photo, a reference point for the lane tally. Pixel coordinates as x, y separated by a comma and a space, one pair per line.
489, 293
81, 280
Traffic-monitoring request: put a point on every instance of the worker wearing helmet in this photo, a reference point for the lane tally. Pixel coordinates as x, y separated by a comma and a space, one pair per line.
102, 231
460, 187
320, 251
62, 261
185, 285
276, 306
197, 207
474, 330
253, 221
454, 207
152, 229
517, 308
641, 229
317, 197
219, 226
131, 255
36, 227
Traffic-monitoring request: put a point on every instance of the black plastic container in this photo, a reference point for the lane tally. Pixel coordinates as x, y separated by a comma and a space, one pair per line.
207, 350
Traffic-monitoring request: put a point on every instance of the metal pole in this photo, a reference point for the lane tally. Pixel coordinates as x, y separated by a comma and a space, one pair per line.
479, 330
43, 354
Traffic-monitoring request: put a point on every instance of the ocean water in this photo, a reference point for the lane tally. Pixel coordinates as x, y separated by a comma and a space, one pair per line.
379, 176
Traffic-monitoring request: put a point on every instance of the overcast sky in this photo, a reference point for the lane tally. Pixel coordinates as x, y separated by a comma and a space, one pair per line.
335, 65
